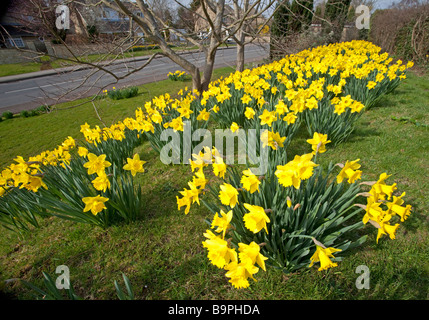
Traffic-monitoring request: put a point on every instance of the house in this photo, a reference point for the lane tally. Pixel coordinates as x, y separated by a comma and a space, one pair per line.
102, 21
91, 28
202, 25
14, 34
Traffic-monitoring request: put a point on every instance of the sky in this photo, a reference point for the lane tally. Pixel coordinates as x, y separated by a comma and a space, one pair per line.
383, 4
379, 4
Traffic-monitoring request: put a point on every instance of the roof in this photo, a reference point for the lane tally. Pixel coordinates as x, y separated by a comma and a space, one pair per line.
15, 30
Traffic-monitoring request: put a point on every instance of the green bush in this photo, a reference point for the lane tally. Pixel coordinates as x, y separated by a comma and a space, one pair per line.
143, 48
24, 114
7, 115
33, 113
42, 109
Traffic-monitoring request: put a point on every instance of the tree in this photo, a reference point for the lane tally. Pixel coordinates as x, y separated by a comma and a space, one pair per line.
302, 14
212, 12
185, 20
318, 12
195, 4
290, 20
279, 27
4, 5
153, 26
43, 17
250, 27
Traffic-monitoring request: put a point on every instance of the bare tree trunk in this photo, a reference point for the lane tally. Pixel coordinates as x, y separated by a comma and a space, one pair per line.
240, 52
215, 41
196, 81
208, 70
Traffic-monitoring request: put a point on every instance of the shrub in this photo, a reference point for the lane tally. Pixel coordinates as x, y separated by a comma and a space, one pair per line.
24, 113
412, 40
143, 48
42, 109
33, 113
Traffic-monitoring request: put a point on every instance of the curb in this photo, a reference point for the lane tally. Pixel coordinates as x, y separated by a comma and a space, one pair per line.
38, 74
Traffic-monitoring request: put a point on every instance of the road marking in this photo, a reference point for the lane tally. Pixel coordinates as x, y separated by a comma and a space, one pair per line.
38, 87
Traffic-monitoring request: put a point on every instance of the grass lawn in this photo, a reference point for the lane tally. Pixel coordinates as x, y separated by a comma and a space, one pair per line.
12, 69
162, 253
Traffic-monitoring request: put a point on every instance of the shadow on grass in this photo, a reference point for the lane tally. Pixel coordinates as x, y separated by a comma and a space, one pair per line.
416, 221
383, 102
361, 132
167, 280
299, 145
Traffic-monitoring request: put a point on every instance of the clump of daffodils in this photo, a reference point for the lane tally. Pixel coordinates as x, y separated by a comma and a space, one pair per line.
382, 206
265, 214
240, 266
177, 75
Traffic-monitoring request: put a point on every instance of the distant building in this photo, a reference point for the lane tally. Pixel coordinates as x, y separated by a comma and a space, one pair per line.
86, 22
14, 34
20, 28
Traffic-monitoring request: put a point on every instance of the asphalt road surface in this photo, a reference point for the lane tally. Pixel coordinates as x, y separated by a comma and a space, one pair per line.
30, 93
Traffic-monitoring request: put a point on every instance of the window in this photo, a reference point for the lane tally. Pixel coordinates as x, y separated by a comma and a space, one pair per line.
15, 42
111, 14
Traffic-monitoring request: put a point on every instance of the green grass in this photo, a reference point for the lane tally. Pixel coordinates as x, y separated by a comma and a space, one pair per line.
12, 69
162, 253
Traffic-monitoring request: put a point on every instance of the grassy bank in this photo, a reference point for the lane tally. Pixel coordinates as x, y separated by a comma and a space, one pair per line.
162, 253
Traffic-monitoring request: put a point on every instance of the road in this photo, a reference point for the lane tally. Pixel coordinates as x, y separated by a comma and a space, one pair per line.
30, 93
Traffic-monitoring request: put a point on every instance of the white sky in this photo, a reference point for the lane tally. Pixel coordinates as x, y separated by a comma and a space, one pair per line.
382, 4
379, 4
